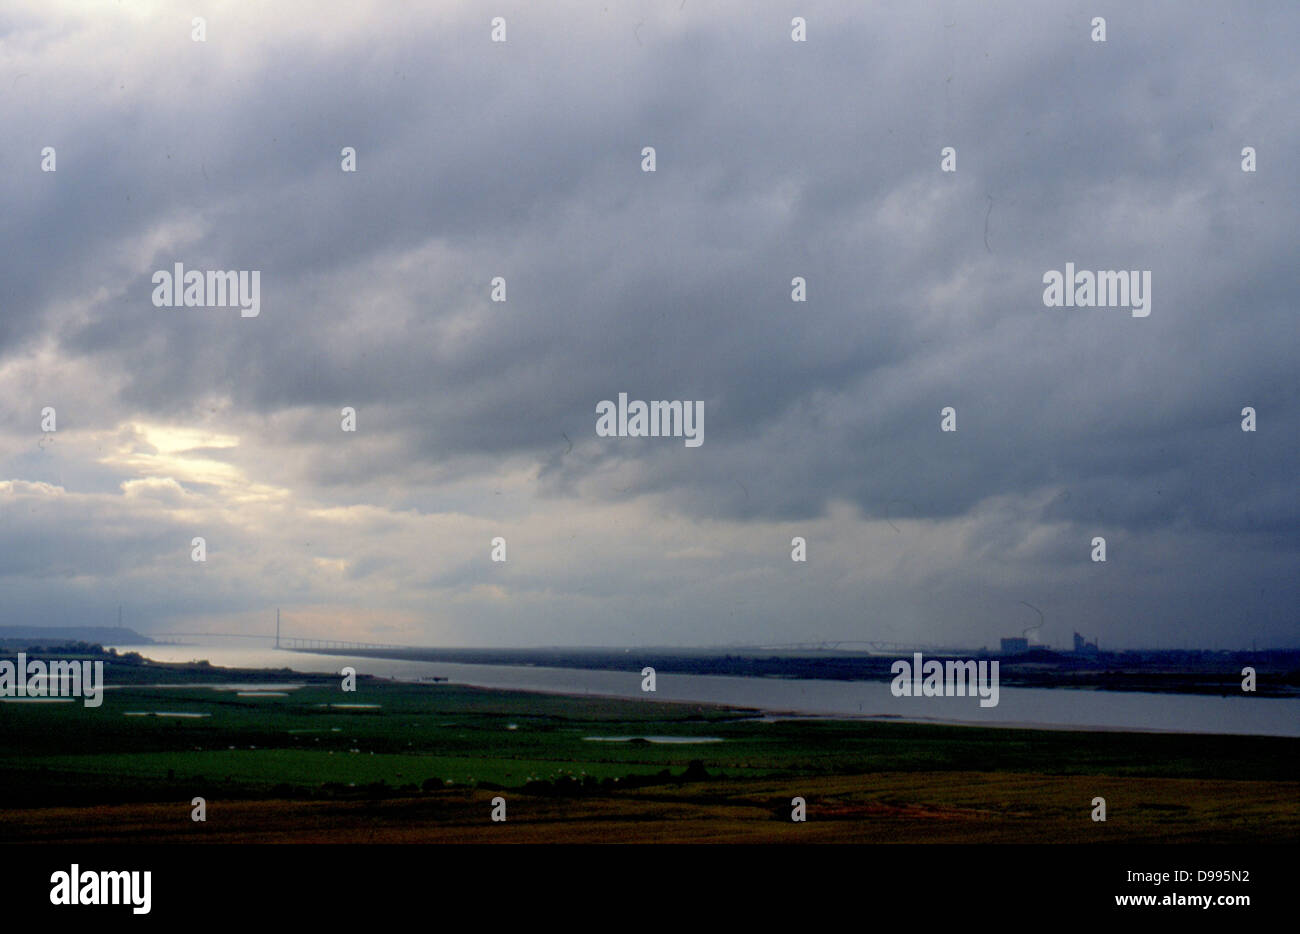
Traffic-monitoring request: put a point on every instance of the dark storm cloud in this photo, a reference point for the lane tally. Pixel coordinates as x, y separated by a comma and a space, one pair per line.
775, 160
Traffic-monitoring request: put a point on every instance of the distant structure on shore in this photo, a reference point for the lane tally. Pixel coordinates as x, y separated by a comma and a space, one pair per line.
1083, 646
1020, 645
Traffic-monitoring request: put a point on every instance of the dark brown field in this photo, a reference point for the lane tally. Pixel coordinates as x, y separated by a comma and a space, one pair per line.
924, 807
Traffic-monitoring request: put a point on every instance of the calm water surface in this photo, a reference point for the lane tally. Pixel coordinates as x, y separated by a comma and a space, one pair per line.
1060, 708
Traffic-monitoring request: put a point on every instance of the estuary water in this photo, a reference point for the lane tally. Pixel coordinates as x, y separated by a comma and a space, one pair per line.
1059, 708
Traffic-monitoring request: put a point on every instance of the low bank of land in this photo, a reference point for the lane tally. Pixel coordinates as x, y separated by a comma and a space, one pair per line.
301, 760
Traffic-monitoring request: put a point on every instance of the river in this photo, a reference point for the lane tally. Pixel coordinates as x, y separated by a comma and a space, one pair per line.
1057, 708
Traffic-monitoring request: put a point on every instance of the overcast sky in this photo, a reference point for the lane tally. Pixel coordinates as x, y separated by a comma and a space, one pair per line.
476, 419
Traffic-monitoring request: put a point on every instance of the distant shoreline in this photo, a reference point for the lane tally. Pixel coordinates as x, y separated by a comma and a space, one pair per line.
1278, 671
775, 711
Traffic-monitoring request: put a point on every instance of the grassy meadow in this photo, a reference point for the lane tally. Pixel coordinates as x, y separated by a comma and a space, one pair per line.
424, 763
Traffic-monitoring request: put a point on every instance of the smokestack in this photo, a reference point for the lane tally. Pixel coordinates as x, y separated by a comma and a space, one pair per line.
277, 627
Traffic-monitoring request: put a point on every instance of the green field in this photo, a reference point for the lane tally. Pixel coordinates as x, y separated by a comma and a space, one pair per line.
428, 743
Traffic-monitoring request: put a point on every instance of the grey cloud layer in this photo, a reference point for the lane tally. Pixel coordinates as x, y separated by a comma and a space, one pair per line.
775, 159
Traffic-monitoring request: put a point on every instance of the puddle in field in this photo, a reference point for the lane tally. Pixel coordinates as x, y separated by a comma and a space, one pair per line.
654, 739
233, 686
163, 713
